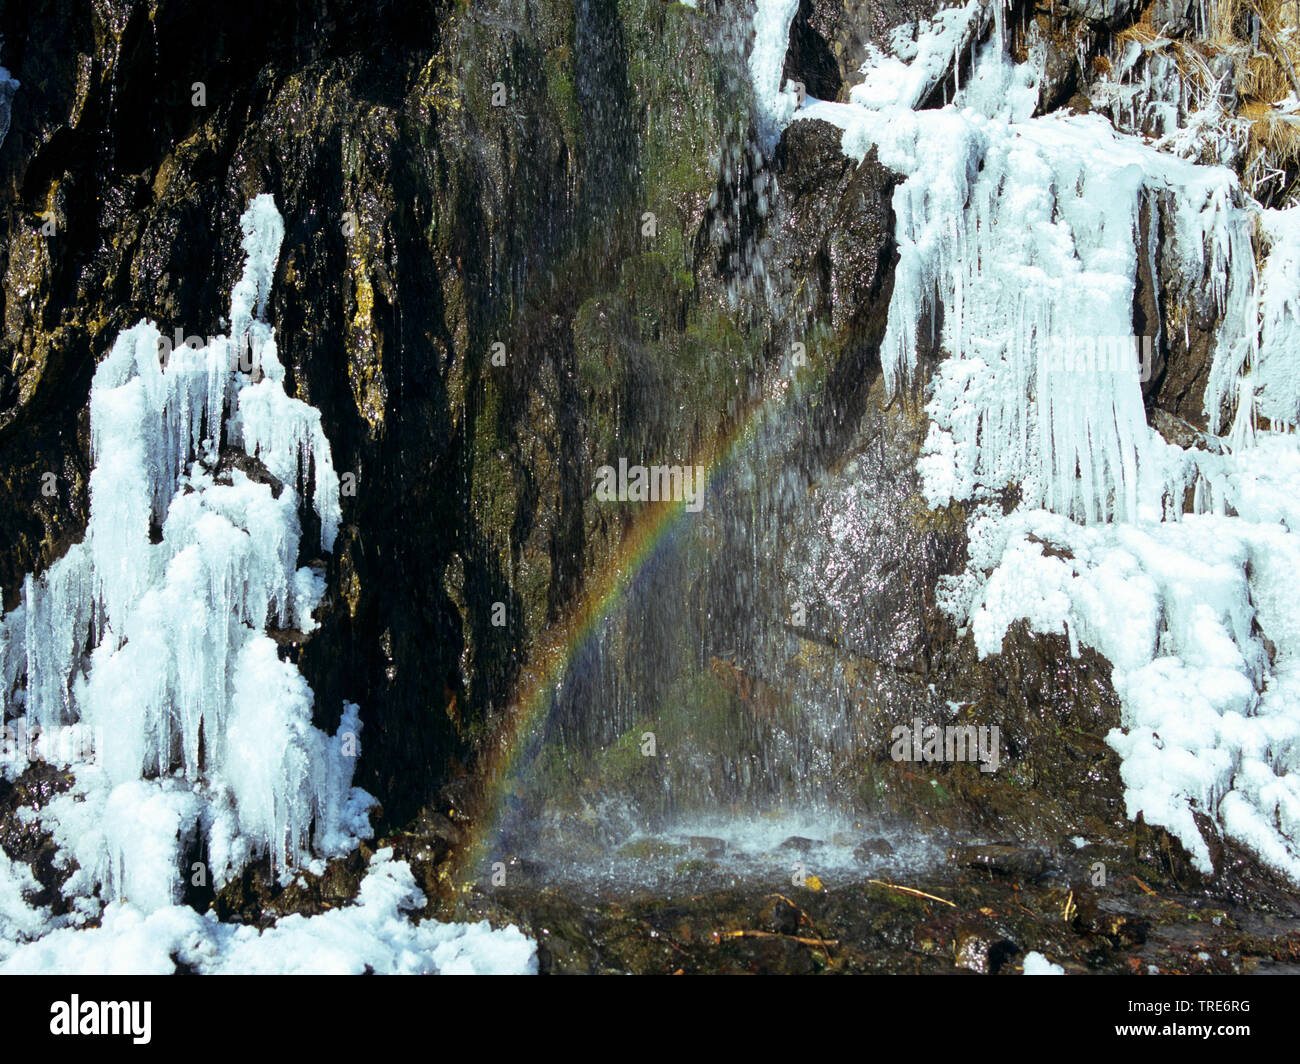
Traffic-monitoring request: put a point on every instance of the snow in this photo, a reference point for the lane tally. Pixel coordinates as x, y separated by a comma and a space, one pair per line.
371, 934
19, 920
1036, 964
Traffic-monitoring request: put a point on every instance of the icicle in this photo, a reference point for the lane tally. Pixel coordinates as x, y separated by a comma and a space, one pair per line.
774, 104
1277, 366
203, 727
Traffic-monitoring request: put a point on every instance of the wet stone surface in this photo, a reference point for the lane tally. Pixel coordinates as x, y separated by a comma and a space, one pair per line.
954, 920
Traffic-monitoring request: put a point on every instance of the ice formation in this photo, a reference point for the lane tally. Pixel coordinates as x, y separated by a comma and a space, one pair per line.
19, 920
1025, 232
774, 101
1184, 97
152, 633
373, 934
1277, 373
1195, 618
919, 57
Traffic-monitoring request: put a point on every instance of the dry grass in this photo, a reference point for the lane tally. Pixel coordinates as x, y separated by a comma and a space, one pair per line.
1267, 73
1223, 19
1272, 153
1267, 78
1142, 30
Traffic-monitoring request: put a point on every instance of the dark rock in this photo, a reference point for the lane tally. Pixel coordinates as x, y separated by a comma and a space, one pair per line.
809, 59
850, 28
800, 844
873, 850
1174, 18
253, 468
780, 917
1109, 13
1156, 847
1050, 45
981, 950
1178, 432
33, 789
707, 846
838, 227
1011, 861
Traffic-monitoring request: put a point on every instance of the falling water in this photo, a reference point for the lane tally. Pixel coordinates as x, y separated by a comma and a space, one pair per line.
729, 700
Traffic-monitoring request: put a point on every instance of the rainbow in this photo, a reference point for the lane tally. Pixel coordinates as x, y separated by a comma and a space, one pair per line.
564, 642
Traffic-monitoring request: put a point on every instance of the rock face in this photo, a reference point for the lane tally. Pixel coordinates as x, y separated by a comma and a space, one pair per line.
1104, 12
524, 240
467, 292
831, 39
1173, 17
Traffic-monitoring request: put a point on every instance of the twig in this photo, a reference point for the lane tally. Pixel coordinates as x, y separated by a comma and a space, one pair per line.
819, 941
911, 891
804, 918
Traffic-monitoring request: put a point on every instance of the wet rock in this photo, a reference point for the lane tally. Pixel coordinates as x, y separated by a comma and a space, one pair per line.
707, 846
1012, 861
800, 844
981, 950
1156, 847
254, 469
873, 850
810, 58
1121, 930
1051, 46
650, 849
258, 898
526, 867
1182, 322
31, 790
23, 839
863, 927
694, 867
780, 917
438, 826
765, 956
837, 232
